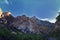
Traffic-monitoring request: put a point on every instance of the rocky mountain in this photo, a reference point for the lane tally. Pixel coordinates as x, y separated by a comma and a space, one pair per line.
26, 24
33, 25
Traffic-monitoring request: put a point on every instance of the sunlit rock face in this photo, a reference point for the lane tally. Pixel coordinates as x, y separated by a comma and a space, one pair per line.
0, 13
7, 13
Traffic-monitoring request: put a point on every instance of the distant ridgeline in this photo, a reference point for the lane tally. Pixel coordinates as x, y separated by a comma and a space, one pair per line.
4, 14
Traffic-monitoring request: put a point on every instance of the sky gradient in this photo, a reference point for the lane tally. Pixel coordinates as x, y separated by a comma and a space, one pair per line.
44, 9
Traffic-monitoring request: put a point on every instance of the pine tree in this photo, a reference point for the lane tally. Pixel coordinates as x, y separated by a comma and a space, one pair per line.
58, 17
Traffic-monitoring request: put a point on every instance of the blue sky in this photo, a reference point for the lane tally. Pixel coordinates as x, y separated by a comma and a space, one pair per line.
41, 8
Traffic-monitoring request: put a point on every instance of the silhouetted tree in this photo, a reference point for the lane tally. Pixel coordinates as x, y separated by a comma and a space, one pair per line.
58, 17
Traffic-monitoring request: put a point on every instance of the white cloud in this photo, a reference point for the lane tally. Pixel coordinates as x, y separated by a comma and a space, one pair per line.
59, 10
50, 20
53, 20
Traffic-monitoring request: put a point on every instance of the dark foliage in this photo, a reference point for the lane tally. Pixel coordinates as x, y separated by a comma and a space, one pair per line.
5, 34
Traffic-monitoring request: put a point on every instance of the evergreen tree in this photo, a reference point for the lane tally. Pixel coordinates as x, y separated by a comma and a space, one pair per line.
58, 17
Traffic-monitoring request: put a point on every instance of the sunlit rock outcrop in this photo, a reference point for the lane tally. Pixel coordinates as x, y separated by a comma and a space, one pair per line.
5, 17
4, 14
7, 13
0, 12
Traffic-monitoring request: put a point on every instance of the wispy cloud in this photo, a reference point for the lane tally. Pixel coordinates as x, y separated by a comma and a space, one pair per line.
4, 1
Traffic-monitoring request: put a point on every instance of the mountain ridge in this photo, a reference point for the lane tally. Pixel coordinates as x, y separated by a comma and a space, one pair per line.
27, 24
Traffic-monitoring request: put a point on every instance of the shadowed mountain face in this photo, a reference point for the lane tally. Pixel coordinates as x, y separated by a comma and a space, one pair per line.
32, 25
26, 24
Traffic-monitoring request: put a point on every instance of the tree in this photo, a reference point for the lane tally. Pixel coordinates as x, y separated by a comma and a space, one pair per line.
58, 17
